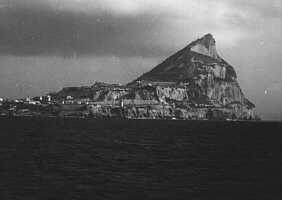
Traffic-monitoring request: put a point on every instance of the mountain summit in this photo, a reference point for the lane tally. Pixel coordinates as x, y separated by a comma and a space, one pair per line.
181, 66
205, 46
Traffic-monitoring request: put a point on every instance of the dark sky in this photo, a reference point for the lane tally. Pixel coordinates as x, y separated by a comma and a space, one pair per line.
49, 44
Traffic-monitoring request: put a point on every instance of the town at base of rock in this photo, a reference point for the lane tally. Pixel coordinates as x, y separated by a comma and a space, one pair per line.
193, 84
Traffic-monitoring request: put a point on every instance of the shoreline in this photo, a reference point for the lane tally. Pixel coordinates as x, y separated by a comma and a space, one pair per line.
134, 119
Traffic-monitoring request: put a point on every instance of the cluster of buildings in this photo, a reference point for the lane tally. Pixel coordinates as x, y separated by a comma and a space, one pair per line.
25, 106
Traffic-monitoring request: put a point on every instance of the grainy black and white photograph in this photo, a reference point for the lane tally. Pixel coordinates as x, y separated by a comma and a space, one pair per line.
140, 99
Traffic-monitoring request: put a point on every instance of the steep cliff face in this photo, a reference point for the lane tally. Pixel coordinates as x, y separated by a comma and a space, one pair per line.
171, 93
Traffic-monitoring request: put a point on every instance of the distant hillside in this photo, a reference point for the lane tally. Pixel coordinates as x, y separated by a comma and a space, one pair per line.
194, 83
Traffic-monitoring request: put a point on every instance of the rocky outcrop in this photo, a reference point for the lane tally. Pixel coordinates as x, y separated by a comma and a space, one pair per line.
172, 93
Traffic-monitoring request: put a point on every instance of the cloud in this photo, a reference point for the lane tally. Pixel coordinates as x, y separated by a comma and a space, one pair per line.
148, 28
63, 33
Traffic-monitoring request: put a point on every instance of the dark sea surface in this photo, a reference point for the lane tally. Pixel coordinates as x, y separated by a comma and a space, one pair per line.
140, 159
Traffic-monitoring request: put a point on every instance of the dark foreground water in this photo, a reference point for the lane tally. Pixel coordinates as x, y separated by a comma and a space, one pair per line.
91, 159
